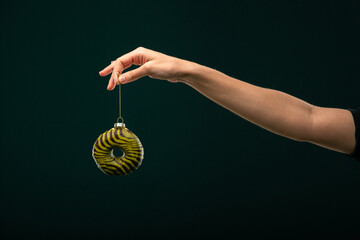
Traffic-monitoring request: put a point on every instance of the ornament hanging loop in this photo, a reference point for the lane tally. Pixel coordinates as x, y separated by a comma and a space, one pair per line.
120, 118
119, 124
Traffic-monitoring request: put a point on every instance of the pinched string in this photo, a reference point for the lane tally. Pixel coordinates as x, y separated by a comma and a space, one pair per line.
120, 118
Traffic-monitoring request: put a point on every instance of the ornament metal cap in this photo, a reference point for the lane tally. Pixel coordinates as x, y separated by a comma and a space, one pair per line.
119, 125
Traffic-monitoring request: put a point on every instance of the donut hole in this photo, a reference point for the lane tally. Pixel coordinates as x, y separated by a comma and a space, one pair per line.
118, 152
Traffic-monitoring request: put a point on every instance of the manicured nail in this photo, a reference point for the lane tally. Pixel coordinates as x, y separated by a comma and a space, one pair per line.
116, 79
122, 79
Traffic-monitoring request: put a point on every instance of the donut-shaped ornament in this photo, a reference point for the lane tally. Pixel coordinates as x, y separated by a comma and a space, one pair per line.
118, 137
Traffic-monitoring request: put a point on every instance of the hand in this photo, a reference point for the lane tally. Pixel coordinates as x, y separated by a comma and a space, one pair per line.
152, 64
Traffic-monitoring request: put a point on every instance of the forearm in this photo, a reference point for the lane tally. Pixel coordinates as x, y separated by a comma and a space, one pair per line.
273, 110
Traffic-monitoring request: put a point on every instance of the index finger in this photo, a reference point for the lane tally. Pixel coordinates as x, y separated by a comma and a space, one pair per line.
117, 67
135, 57
122, 63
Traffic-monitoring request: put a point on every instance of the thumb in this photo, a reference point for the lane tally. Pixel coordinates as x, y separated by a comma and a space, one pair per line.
133, 75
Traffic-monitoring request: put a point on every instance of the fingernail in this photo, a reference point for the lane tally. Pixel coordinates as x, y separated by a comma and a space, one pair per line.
116, 78
122, 79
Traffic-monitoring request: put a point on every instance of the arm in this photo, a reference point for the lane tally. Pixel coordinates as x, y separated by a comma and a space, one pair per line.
273, 110
276, 111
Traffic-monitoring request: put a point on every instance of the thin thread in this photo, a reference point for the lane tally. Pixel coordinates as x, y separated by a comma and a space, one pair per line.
120, 102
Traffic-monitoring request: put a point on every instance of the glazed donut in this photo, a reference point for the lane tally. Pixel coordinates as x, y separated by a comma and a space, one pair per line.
128, 142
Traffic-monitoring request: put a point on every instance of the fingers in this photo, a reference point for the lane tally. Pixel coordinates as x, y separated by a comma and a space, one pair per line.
111, 84
139, 56
127, 77
133, 75
136, 57
119, 66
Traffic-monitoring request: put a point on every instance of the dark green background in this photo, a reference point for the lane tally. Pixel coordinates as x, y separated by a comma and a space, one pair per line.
206, 172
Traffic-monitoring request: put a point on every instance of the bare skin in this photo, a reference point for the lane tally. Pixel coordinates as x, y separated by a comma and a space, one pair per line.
270, 109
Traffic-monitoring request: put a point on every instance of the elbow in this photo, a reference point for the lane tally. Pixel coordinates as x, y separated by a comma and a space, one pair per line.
306, 132
329, 128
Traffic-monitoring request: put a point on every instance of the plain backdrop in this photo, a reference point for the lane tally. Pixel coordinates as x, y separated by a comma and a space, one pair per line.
207, 173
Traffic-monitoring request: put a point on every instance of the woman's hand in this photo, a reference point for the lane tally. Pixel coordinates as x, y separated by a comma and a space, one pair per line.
152, 64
